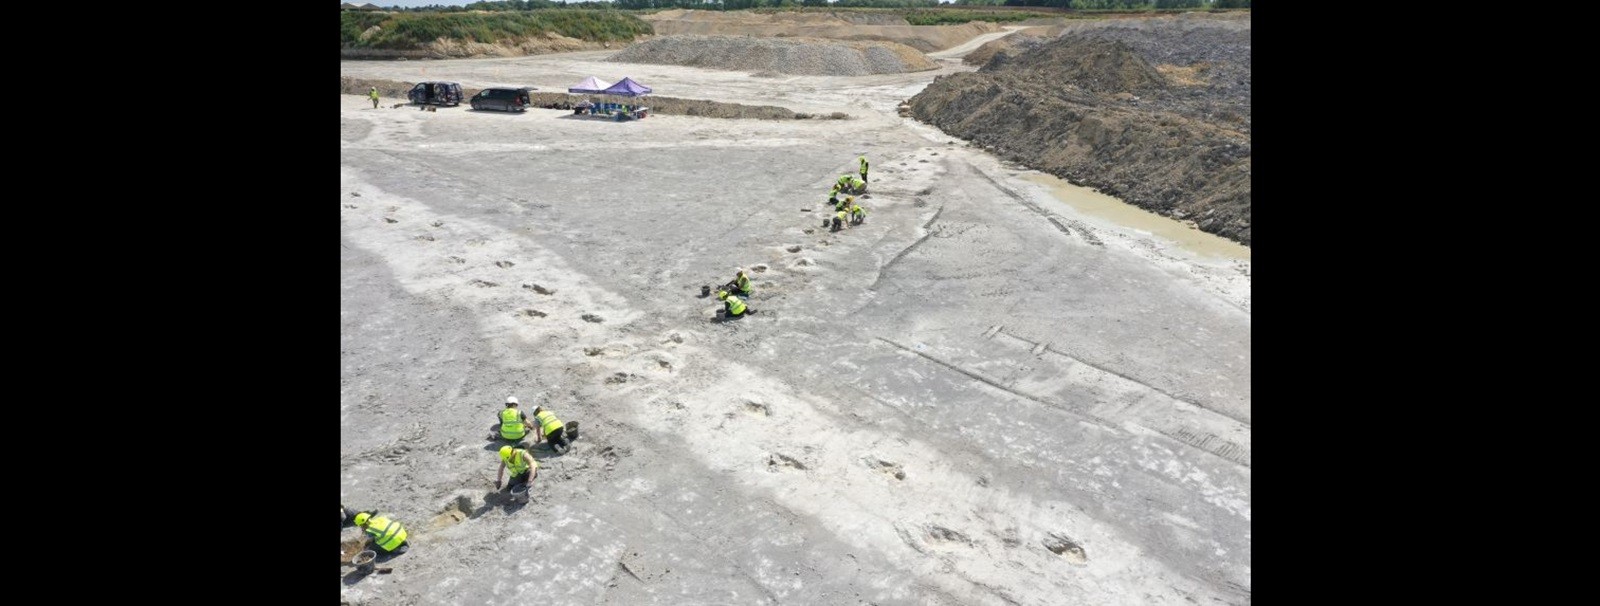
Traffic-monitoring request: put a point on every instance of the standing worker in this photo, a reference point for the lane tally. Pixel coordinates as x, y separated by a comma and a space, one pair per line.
523, 468
513, 423
388, 535
551, 428
374, 95
863, 160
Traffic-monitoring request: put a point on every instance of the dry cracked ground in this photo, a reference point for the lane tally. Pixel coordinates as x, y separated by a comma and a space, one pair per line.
982, 395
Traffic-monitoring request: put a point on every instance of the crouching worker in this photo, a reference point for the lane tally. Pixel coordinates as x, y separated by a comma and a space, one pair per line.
523, 468
551, 428
858, 215
734, 307
386, 535
858, 185
513, 424
741, 283
838, 220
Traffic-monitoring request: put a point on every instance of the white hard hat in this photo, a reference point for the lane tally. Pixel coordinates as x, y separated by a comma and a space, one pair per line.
512, 400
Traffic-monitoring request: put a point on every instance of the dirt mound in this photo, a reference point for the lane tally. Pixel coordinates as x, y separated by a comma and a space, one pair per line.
442, 48
387, 89
799, 56
836, 26
1156, 114
1024, 39
1092, 64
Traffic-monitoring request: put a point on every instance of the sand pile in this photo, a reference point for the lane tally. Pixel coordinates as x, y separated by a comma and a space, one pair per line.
797, 56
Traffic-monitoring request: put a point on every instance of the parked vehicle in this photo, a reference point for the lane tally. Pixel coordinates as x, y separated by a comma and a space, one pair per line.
504, 99
436, 93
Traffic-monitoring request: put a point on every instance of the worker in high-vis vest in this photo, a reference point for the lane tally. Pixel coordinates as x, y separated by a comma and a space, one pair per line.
858, 215
858, 185
523, 468
734, 306
844, 181
513, 422
552, 428
388, 535
839, 218
863, 160
741, 283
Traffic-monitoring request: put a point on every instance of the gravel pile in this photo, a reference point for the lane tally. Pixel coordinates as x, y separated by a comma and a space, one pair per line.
795, 56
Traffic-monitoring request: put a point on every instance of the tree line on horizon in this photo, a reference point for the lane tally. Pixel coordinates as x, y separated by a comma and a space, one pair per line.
524, 5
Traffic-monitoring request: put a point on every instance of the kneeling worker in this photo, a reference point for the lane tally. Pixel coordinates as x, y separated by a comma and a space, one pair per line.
741, 283
735, 306
388, 535
858, 215
513, 423
552, 428
858, 185
523, 468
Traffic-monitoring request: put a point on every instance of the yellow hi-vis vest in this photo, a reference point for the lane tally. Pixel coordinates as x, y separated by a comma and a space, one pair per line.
547, 421
863, 165
511, 427
744, 283
519, 465
735, 305
387, 533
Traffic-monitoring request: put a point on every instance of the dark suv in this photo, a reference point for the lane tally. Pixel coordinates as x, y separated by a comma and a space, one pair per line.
435, 93
505, 99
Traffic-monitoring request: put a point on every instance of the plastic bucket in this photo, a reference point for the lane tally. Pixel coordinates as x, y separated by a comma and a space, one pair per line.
519, 493
364, 560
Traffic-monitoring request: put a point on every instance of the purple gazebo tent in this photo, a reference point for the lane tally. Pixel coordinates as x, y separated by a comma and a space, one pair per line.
590, 85
627, 87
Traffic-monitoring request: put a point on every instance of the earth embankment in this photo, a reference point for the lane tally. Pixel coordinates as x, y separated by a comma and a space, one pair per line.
1155, 112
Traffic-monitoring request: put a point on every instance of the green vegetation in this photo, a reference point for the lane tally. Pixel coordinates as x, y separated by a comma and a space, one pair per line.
411, 30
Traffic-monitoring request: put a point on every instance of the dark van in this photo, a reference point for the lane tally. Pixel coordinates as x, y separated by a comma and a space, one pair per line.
504, 99
435, 93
